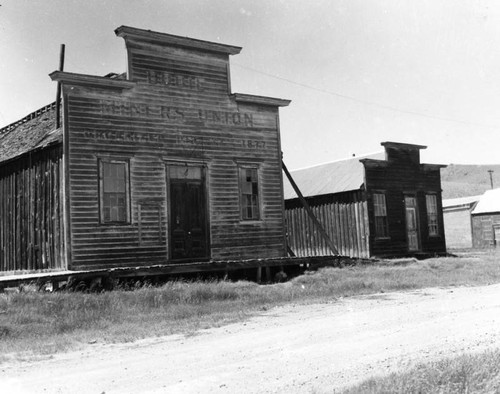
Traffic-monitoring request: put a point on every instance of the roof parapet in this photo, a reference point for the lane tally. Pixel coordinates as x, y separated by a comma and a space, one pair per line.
127, 32
391, 144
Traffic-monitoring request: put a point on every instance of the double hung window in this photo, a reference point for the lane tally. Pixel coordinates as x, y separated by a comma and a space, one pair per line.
432, 214
249, 193
114, 191
380, 210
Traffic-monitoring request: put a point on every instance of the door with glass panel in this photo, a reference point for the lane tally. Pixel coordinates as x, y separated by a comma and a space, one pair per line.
412, 229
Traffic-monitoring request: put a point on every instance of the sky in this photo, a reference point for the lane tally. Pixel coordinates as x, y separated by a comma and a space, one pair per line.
358, 72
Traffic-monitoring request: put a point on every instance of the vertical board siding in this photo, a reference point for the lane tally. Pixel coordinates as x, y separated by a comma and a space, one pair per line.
345, 224
31, 225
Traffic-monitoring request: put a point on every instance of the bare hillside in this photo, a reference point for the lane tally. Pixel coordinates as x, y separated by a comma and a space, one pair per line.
461, 180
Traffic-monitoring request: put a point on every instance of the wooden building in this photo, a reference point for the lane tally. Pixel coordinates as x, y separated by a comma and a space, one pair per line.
458, 221
160, 165
386, 204
486, 221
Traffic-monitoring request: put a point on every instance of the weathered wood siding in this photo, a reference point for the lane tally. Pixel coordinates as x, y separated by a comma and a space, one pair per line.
396, 178
31, 225
179, 111
346, 223
485, 231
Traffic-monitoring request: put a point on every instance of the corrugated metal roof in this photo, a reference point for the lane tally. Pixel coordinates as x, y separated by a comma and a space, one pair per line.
334, 177
488, 203
456, 202
31, 133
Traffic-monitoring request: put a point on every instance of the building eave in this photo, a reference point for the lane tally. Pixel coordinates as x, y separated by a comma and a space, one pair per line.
90, 80
261, 100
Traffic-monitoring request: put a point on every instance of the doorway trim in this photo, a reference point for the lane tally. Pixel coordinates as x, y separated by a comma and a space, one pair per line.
414, 208
203, 165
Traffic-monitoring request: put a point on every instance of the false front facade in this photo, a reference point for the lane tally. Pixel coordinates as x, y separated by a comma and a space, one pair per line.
164, 164
384, 204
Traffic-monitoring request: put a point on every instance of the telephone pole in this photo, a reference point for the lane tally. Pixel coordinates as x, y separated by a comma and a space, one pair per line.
491, 177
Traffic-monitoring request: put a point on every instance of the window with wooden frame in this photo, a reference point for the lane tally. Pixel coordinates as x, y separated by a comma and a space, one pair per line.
380, 212
432, 214
249, 193
114, 191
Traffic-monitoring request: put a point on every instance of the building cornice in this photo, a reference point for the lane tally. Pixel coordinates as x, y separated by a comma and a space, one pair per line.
133, 33
248, 98
90, 80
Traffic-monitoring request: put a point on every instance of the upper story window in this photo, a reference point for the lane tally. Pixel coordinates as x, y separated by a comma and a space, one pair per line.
249, 193
380, 209
432, 214
114, 191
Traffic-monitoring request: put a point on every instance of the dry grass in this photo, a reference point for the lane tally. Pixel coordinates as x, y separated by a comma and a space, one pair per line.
43, 323
466, 374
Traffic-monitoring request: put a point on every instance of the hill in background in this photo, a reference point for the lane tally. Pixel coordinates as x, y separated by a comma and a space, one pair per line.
462, 180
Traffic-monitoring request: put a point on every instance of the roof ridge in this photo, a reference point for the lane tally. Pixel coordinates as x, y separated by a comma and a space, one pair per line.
365, 155
33, 115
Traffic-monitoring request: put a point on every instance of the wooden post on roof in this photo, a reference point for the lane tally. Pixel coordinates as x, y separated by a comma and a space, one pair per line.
309, 211
58, 95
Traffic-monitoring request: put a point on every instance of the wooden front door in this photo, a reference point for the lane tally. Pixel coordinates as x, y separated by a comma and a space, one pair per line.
412, 230
188, 216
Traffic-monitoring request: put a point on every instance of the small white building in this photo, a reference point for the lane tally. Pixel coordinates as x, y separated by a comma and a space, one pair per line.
458, 221
486, 220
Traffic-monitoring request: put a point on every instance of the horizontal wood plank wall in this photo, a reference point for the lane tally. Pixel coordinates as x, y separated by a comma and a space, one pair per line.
483, 232
31, 226
179, 110
345, 223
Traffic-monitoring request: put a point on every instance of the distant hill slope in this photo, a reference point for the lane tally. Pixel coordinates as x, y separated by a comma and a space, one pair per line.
462, 180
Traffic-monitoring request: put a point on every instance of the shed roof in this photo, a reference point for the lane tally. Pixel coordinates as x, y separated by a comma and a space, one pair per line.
35, 131
488, 203
334, 177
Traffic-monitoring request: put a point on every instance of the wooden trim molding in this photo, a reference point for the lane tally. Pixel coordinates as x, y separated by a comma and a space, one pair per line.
128, 32
90, 80
248, 98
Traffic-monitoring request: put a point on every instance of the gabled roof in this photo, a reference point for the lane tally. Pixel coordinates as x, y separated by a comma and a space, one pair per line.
35, 131
460, 202
488, 203
334, 177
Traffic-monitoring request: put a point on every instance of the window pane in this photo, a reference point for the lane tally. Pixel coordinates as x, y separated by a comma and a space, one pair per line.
432, 215
249, 190
380, 211
184, 172
114, 192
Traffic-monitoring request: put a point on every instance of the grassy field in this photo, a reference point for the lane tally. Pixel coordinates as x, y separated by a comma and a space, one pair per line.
44, 323
479, 374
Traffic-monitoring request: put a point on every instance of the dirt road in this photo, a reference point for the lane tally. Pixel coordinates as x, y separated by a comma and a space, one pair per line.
294, 349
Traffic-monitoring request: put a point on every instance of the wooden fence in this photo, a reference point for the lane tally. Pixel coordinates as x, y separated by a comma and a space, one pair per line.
31, 233
345, 223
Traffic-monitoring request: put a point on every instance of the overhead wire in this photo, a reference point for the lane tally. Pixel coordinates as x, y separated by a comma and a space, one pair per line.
367, 102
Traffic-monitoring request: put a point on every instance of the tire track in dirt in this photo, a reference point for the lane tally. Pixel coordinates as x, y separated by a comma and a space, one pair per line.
297, 348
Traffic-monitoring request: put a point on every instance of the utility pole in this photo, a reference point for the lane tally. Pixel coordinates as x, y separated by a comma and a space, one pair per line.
491, 177
58, 95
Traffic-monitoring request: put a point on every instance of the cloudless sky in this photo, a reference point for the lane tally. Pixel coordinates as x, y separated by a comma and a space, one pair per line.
358, 72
